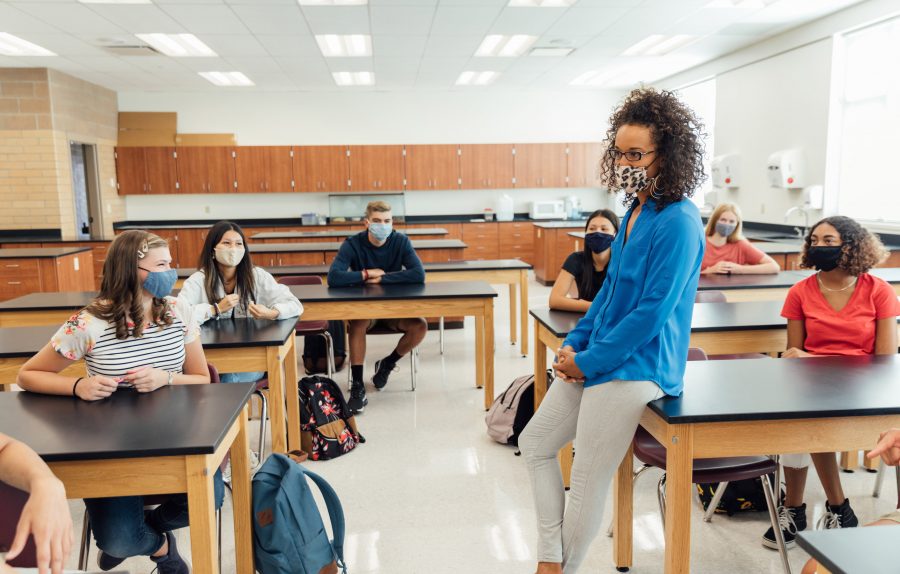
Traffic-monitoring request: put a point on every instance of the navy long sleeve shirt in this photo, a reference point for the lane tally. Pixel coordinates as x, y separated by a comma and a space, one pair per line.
396, 258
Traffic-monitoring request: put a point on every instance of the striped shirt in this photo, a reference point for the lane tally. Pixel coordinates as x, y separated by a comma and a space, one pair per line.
87, 337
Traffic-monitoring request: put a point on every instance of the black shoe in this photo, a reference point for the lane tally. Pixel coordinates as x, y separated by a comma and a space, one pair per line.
107, 562
838, 517
171, 563
383, 370
358, 400
792, 520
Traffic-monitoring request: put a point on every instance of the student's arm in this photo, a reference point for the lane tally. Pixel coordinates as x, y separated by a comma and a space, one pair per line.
763, 264
193, 293
559, 295
46, 514
339, 274
796, 337
887, 307
412, 272
886, 336
278, 297
668, 275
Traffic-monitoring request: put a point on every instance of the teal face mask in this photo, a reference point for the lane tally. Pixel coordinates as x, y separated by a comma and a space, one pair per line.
160, 283
380, 231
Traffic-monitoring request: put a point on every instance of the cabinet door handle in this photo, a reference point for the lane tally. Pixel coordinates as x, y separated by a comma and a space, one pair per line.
150, 187
13, 282
12, 265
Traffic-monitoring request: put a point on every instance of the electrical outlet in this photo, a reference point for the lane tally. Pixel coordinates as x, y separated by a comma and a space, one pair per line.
205, 209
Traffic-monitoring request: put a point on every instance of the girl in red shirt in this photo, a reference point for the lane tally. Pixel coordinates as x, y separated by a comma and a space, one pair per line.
727, 251
841, 310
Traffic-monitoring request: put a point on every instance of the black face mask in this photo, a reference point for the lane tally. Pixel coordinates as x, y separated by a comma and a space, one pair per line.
824, 258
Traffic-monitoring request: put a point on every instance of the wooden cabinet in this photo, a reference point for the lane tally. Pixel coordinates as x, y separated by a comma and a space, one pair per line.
482, 241
584, 164
486, 166
432, 167
263, 169
516, 240
540, 165
377, 168
321, 168
146, 170
551, 247
190, 245
286, 259
205, 169
23, 275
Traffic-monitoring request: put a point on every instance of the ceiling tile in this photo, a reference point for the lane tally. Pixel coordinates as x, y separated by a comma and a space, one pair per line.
235, 44
138, 18
533, 21
401, 20
337, 19
249, 65
403, 2
398, 46
67, 45
202, 19
449, 46
272, 19
350, 64
464, 20
586, 20
69, 17
19, 23
302, 46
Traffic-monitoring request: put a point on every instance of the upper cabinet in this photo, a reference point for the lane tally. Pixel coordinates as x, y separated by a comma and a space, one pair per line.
321, 168
584, 164
261, 169
205, 169
486, 166
377, 168
432, 167
145, 170
540, 165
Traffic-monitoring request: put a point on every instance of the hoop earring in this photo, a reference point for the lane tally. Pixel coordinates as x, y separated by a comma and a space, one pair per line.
654, 186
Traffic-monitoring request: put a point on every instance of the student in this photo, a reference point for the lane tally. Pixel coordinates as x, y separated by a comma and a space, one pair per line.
46, 513
132, 334
377, 255
227, 285
841, 310
632, 345
727, 252
583, 272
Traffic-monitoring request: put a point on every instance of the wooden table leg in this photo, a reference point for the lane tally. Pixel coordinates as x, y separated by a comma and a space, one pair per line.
240, 496
540, 367
201, 507
276, 399
623, 515
566, 457
870, 464
488, 353
523, 309
849, 460
679, 468
512, 314
479, 351
292, 394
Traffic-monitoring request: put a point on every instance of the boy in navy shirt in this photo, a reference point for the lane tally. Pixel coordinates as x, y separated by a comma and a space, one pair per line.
377, 255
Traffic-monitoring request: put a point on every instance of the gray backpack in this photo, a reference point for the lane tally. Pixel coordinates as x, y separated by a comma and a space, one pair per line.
511, 411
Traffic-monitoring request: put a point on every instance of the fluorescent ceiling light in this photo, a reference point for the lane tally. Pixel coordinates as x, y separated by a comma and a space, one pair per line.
551, 52
14, 46
178, 45
345, 46
354, 78
227, 78
333, 2
115, 1
541, 3
594, 78
471, 78
498, 46
742, 4
657, 45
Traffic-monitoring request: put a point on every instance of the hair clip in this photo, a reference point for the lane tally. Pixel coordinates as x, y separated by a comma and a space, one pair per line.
142, 252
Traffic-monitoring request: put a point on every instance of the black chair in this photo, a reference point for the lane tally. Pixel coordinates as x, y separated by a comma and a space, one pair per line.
12, 501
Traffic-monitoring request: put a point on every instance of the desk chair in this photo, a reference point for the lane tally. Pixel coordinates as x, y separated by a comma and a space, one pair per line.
710, 297
319, 328
12, 501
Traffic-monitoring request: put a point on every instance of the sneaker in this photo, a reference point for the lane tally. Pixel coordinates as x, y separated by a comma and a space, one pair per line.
358, 400
171, 563
838, 517
380, 378
791, 519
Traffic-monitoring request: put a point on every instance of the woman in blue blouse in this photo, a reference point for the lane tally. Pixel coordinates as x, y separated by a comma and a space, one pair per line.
631, 346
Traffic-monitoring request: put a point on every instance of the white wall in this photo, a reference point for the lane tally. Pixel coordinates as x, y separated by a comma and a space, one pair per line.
375, 118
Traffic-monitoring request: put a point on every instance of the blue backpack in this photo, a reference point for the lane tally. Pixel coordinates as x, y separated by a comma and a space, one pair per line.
289, 536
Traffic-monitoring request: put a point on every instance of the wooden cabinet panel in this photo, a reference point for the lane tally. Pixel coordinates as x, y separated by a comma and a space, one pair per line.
517, 241
13, 268
190, 244
486, 166
162, 170
16, 287
321, 168
540, 165
432, 167
893, 260
313, 258
205, 169
171, 237
482, 241
262, 169
131, 171
584, 164
377, 168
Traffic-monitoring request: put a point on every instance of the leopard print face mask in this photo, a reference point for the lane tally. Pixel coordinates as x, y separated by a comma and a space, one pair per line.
631, 179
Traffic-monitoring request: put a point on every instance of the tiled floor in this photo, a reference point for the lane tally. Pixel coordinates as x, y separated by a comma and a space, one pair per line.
430, 493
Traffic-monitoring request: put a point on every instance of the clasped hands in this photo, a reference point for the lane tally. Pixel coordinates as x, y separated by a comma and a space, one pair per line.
144, 379
565, 366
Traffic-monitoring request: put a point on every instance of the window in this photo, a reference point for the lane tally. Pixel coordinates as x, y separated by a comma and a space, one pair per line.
701, 98
869, 128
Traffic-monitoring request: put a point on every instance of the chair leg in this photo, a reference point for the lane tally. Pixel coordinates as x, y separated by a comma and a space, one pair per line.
85, 541
412, 368
714, 503
897, 471
263, 414
329, 355
661, 498
634, 477
879, 479
772, 504
441, 334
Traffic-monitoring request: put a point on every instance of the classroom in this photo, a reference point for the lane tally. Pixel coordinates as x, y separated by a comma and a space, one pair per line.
443, 286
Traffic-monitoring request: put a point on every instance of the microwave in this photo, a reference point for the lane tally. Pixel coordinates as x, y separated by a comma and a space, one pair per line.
547, 210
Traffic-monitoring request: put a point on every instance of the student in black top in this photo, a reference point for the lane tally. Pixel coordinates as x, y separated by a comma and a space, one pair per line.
377, 255
583, 272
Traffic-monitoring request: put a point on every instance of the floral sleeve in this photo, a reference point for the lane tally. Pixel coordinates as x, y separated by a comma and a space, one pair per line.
184, 311
74, 340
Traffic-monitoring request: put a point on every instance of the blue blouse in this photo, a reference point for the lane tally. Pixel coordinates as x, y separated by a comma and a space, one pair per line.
639, 326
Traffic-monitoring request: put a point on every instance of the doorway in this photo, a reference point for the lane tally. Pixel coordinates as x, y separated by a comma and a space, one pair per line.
86, 189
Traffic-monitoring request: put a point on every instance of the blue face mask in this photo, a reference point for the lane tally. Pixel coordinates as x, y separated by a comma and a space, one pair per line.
380, 231
598, 242
160, 283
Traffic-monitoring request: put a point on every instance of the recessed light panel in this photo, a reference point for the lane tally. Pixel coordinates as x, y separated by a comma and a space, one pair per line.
658, 45
227, 78
14, 46
498, 46
178, 45
354, 78
472, 78
333, 2
345, 46
541, 3
551, 52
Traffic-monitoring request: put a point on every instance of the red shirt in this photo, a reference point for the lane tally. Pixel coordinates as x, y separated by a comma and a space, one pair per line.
848, 332
741, 252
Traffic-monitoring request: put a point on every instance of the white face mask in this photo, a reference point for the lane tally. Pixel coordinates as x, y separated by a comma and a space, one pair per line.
229, 257
631, 179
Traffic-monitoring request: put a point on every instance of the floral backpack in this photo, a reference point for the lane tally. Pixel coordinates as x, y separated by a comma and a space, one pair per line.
327, 429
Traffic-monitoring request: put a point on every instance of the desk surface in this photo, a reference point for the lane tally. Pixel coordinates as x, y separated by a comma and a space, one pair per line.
171, 421
341, 233
58, 300
335, 245
40, 252
854, 550
437, 290
777, 389
446, 266
780, 280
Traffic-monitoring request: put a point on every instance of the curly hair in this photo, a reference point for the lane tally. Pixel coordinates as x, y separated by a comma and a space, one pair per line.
861, 250
679, 138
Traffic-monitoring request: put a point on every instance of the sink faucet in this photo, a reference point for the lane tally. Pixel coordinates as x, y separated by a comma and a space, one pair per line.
802, 209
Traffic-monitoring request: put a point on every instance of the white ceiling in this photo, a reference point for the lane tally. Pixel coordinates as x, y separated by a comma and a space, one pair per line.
417, 44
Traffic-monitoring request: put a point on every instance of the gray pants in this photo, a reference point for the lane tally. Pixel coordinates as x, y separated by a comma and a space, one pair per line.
611, 412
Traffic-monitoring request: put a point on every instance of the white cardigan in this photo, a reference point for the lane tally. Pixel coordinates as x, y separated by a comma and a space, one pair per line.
269, 293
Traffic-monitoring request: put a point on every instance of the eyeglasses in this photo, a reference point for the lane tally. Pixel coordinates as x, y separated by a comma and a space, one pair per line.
629, 155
